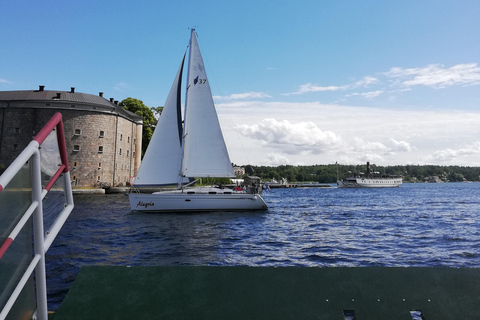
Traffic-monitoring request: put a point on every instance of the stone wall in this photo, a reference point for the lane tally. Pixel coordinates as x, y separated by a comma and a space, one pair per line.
101, 146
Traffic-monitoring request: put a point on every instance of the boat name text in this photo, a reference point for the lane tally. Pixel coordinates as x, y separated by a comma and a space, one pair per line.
145, 204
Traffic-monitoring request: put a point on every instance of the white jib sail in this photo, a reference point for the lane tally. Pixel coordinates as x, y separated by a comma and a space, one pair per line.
205, 153
162, 160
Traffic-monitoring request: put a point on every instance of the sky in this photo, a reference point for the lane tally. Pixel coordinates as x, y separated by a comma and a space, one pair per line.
294, 82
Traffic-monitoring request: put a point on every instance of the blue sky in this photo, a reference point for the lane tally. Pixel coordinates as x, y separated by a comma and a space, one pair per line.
304, 82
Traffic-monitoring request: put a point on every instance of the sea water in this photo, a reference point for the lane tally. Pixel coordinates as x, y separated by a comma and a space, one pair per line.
428, 225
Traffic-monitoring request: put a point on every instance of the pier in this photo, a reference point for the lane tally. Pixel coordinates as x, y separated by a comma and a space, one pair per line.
202, 292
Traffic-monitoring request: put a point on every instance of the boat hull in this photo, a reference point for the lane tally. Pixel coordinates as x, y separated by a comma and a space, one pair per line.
369, 183
184, 202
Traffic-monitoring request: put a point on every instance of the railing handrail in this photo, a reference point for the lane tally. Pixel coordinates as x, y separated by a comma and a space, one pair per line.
41, 243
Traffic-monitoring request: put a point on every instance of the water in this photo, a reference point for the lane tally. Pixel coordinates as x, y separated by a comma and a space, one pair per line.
428, 225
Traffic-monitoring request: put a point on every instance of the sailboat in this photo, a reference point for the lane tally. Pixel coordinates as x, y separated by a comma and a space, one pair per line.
181, 151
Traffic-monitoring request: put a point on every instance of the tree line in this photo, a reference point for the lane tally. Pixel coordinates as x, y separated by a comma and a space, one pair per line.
328, 173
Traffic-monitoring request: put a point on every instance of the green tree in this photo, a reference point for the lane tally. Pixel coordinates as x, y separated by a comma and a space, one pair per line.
149, 121
157, 111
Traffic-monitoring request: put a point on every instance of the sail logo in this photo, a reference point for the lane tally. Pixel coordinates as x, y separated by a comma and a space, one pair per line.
145, 204
199, 81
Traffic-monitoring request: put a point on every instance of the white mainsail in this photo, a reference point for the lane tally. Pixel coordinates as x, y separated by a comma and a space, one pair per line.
205, 153
162, 160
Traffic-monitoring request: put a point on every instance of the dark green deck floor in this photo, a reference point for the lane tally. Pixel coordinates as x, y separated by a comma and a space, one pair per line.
271, 293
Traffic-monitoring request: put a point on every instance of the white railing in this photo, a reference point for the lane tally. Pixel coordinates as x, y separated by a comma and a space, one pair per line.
31, 155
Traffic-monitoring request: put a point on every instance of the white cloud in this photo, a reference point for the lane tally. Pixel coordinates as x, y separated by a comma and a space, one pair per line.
309, 87
397, 136
370, 157
450, 155
400, 145
361, 145
4, 81
274, 159
365, 82
293, 138
371, 148
435, 75
367, 95
246, 95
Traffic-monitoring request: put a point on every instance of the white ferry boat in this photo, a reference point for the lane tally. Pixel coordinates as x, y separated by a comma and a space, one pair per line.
370, 180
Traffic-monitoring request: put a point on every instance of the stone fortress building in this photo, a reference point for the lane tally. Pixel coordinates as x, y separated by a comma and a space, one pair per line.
103, 140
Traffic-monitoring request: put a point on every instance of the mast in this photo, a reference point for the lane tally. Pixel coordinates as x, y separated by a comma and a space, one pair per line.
180, 175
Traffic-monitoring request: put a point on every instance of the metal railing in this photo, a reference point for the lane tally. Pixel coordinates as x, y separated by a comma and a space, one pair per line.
32, 156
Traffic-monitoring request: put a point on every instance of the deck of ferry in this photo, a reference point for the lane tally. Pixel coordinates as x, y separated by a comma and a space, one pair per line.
201, 292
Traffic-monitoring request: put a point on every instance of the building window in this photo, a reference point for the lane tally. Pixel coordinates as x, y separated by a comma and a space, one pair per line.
134, 141
128, 139
120, 151
102, 134
75, 164
121, 137
128, 151
76, 147
98, 178
78, 132
99, 165
100, 149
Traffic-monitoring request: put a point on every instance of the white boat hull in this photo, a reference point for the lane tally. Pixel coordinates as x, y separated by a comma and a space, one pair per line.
185, 202
370, 183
